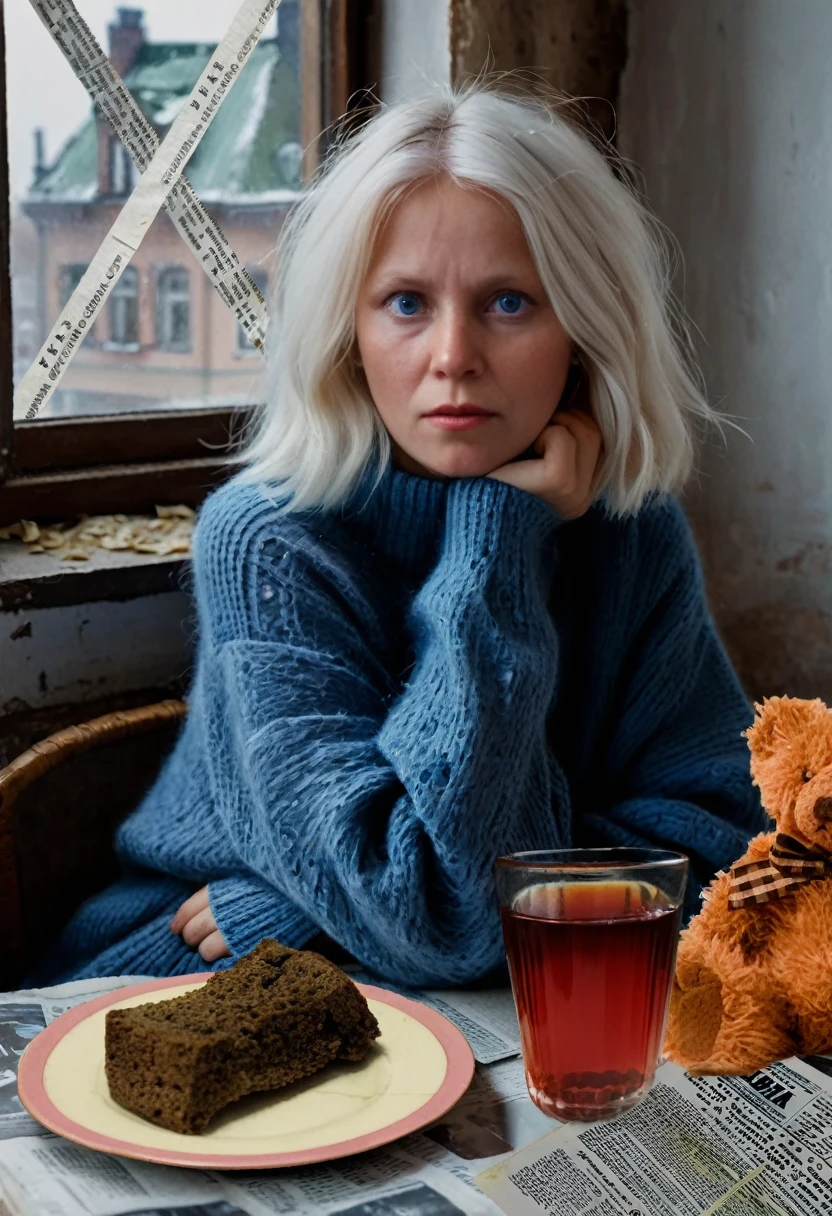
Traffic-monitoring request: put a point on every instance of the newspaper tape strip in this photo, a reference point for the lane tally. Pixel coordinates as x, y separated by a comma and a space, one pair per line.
162, 173
198, 230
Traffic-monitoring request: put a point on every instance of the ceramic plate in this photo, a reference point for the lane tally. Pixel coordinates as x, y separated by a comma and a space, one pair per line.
415, 1072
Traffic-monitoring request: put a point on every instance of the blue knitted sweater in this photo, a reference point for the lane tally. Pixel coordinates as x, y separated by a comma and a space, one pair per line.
390, 695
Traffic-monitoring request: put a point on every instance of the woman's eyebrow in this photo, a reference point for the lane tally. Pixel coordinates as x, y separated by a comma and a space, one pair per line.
396, 278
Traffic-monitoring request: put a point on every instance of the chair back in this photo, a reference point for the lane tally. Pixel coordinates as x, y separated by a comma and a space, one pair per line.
59, 809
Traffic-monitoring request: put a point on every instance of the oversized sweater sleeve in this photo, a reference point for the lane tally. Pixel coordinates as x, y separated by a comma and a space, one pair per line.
676, 764
378, 810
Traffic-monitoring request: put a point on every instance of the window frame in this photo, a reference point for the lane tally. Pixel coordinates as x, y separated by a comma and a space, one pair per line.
57, 468
165, 297
125, 291
242, 348
122, 171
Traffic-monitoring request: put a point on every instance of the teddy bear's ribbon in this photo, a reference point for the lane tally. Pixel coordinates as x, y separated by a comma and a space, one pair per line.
789, 864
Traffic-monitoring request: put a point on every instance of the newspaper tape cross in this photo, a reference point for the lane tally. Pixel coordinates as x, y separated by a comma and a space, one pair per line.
162, 173
201, 234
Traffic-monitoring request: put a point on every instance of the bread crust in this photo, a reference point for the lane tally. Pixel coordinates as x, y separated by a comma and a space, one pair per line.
275, 1017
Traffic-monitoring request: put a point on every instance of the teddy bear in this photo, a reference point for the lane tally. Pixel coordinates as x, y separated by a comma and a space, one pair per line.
753, 981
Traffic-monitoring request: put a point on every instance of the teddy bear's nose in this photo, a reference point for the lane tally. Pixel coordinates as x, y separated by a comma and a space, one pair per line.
823, 810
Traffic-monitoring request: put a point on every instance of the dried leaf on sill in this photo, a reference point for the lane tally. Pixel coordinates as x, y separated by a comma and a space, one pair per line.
169, 532
180, 512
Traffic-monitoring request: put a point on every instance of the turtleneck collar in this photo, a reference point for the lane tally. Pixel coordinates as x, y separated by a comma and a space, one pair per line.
401, 517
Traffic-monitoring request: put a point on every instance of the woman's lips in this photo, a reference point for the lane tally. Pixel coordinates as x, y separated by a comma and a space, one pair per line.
459, 420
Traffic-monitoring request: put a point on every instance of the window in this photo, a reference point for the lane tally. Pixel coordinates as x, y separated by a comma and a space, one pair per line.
289, 157
121, 171
261, 278
124, 310
168, 349
244, 192
70, 277
173, 309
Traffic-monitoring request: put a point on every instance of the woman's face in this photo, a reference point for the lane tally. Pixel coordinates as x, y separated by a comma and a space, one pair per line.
452, 316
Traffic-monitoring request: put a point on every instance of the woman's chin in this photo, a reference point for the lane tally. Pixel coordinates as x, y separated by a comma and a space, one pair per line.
458, 463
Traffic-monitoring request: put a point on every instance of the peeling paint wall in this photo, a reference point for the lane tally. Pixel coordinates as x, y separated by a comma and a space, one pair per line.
572, 45
727, 107
57, 656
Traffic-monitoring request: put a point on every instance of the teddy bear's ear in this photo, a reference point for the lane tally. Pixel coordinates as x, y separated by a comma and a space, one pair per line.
785, 721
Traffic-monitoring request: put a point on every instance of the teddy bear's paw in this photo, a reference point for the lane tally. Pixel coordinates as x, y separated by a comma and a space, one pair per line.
717, 1029
695, 1016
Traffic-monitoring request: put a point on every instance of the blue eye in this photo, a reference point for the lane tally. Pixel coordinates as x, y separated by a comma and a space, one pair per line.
512, 300
410, 304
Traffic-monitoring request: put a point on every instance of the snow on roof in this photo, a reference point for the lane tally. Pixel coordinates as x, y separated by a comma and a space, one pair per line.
236, 161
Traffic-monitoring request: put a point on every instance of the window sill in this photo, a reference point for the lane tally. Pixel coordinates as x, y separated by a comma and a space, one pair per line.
42, 580
100, 490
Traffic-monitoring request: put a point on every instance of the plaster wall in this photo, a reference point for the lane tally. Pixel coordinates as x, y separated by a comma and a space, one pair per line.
726, 105
414, 48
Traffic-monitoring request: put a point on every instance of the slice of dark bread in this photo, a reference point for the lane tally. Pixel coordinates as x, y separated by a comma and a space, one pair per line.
277, 1015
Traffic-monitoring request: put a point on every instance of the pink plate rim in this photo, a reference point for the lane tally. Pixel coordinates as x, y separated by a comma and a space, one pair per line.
33, 1095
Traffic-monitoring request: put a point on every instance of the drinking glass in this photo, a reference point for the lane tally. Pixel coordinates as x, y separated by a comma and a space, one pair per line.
591, 937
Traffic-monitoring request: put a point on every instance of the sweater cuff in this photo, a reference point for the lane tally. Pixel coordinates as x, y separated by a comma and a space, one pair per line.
482, 507
247, 910
502, 538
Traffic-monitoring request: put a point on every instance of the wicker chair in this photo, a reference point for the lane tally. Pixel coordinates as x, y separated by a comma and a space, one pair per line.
56, 850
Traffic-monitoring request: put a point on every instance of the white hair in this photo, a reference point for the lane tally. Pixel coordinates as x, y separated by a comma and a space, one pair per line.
601, 257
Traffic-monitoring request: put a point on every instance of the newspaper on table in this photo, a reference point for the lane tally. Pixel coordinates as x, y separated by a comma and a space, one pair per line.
426, 1174
738, 1146
486, 1017
734, 1146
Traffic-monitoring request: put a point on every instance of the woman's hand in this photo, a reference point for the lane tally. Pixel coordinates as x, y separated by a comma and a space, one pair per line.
564, 477
194, 921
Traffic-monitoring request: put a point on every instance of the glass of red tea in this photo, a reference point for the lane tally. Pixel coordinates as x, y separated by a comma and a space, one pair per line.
591, 937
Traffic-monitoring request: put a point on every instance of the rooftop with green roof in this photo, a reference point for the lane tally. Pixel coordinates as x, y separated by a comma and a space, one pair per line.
249, 155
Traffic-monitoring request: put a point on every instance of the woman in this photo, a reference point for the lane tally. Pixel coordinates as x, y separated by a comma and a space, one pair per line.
447, 609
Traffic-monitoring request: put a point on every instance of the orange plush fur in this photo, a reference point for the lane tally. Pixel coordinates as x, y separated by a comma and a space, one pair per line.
754, 984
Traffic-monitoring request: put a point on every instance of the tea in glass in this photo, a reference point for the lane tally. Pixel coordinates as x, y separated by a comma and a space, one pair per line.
591, 944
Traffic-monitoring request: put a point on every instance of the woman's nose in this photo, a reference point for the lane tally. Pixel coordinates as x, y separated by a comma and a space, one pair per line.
455, 351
